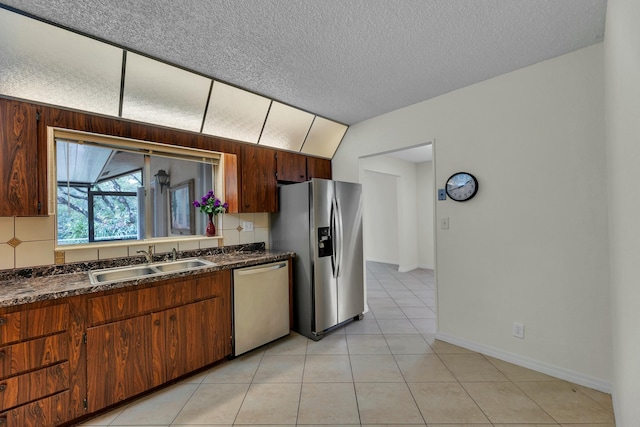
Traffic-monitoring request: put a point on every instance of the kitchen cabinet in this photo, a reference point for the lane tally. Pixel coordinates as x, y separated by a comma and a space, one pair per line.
18, 159
259, 186
292, 167
146, 337
118, 361
250, 184
318, 168
34, 366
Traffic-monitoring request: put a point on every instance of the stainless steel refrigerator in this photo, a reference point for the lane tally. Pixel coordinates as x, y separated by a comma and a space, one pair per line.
321, 221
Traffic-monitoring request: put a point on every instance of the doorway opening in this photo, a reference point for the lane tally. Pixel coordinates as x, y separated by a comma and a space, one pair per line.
399, 238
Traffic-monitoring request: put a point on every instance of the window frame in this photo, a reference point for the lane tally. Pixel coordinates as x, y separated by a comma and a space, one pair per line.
142, 147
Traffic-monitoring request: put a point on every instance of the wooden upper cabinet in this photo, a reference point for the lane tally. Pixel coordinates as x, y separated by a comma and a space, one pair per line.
259, 186
18, 158
292, 167
318, 168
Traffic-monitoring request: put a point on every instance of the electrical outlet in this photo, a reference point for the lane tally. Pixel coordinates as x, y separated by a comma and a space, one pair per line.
444, 223
247, 226
518, 330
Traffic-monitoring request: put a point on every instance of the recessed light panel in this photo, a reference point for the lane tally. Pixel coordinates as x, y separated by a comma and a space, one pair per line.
157, 93
44, 63
235, 113
324, 138
286, 127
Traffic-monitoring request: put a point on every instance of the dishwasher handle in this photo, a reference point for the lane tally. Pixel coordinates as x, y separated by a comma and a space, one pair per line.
249, 271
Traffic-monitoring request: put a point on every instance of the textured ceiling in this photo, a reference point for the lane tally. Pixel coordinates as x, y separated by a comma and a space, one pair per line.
346, 60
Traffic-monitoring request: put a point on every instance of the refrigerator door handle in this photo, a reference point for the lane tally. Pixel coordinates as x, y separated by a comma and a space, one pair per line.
340, 239
334, 237
333, 225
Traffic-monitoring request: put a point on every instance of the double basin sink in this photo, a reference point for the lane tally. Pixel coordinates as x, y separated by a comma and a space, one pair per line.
123, 274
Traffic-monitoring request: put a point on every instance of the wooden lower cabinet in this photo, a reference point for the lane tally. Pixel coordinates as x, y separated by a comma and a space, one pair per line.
187, 338
188, 326
118, 361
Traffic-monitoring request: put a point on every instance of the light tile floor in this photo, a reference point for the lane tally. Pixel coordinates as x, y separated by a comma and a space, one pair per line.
386, 369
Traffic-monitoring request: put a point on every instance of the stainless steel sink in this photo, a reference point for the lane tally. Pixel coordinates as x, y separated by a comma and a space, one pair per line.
183, 264
123, 274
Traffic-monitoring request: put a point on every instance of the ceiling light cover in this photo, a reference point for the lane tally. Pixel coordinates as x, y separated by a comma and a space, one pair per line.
235, 113
286, 127
44, 63
324, 138
157, 93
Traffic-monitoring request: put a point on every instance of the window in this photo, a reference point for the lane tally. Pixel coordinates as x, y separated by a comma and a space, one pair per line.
105, 188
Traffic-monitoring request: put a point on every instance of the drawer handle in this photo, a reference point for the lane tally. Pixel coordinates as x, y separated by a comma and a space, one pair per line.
156, 322
2, 354
3, 321
3, 420
172, 318
3, 387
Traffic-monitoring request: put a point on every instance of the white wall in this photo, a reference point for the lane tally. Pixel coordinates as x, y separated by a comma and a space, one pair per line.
622, 83
380, 217
407, 209
532, 246
425, 199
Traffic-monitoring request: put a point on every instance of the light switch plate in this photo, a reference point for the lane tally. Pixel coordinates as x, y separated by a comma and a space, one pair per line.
247, 226
444, 223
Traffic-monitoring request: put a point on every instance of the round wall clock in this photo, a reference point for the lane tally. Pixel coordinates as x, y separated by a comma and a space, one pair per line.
462, 186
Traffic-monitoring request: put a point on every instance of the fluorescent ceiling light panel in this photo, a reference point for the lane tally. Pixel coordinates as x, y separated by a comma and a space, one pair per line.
286, 127
235, 113
324, 138
157, 93
44, 63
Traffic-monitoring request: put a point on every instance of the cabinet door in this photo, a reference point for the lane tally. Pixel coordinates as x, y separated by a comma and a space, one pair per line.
259, 187
18, 159
291, 167
187, 338
118, 361
318, 168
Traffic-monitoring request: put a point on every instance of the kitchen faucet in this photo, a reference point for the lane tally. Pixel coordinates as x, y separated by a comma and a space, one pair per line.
174, 254
147, 254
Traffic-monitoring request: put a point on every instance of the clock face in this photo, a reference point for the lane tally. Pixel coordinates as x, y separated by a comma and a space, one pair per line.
462, 186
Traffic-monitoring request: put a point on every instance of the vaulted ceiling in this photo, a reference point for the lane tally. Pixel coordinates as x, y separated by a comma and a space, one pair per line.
345, 60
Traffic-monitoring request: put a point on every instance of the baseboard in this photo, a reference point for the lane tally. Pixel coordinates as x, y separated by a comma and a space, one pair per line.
406, 268
426, 267
516, 359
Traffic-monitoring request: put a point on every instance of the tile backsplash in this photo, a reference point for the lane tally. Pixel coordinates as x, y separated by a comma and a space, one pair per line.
30, 241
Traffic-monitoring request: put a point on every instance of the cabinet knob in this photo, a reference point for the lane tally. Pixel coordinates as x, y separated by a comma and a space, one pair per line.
3, 321
3, 420
172, 318
2, 354
3, 387
156, 322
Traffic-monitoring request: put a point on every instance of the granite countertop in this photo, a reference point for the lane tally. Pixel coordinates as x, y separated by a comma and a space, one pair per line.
46, 283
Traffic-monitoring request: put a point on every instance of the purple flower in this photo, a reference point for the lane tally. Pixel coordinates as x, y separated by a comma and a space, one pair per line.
216, 203
225, 205
196, 204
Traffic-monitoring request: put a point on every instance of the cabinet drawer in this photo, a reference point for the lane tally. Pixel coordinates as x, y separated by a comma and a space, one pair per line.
37, 322
26, 388
120, 306
216, 285
51, 411
34, 354
173, 293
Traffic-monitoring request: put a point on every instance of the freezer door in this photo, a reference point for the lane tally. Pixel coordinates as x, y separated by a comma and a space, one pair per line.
350, 286
325, 298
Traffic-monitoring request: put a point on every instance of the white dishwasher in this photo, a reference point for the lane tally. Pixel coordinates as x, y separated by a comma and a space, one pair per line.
260, 305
